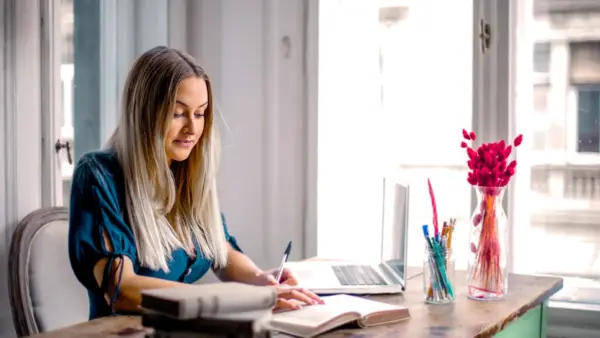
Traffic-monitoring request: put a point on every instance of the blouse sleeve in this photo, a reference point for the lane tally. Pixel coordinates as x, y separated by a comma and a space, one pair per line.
228, 237
94, 213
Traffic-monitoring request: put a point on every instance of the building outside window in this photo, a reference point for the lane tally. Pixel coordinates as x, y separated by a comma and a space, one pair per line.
564, 205
541, 57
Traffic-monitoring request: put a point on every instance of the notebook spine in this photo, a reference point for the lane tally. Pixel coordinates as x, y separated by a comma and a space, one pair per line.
207, 325
214, 306
207, 306
164, 306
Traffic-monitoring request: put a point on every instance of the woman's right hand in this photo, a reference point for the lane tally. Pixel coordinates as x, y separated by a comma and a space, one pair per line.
293, 297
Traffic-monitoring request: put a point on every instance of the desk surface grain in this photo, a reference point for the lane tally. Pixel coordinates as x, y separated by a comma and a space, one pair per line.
464, 318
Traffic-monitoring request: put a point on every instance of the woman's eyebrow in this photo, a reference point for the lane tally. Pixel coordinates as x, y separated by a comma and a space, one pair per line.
185, 105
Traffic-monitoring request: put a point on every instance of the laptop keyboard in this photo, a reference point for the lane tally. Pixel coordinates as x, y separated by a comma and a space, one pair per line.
362, 275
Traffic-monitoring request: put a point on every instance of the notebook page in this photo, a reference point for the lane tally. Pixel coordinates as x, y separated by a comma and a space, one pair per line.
361, 305
312, 316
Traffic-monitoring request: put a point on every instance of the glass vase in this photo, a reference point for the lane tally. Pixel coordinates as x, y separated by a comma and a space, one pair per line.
487, 278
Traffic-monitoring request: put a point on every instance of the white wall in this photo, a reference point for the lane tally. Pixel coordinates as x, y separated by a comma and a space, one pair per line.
254, 52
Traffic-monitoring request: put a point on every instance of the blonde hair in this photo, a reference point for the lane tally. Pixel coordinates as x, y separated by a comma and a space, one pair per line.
168, 207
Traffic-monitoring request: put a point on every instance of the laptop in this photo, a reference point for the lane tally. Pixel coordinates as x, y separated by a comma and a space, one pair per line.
386, 276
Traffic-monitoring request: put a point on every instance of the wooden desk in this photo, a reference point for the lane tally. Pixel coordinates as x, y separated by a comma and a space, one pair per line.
522, 314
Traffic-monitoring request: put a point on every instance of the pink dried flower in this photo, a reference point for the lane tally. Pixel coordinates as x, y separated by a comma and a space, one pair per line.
518, 140
466, 134
487, 163
477, 219
434, 208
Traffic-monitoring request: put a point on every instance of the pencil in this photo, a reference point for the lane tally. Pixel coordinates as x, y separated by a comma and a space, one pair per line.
450, 231
445, 229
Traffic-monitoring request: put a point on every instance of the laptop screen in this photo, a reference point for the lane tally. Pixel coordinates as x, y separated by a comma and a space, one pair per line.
395, 225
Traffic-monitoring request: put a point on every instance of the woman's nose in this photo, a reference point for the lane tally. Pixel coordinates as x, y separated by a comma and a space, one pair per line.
190, 126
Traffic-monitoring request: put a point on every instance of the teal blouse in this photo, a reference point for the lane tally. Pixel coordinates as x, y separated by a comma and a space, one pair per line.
97, 207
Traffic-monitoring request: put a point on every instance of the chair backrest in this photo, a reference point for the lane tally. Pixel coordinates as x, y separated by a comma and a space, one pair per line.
44, 293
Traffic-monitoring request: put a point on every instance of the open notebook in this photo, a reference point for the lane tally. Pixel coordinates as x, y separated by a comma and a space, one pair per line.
338, 310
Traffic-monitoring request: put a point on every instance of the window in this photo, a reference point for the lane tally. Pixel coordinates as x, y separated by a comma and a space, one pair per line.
398, 127
410, 67
540, 116
584, 75
540, 98
98, 42
66, 29
67, 73
541, 57
558, 188
588, 114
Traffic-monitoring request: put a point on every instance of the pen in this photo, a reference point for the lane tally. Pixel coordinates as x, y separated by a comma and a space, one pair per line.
286, 255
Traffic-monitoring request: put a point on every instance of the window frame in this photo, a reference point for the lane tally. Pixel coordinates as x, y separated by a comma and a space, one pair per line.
51, 91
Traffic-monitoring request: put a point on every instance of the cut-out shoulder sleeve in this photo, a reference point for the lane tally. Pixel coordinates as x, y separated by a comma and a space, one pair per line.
228, 237
96, 212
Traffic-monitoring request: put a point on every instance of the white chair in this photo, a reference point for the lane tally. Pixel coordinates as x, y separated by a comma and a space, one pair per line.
44, 293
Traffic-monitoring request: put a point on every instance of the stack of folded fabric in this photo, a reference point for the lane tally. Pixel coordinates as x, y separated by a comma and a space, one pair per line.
209, 310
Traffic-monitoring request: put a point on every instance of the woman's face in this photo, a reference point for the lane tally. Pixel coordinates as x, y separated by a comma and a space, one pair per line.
188, 119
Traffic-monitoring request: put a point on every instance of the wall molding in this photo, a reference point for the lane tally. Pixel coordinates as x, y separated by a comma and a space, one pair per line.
311, 92
8, 154
271, 96
286, 123
21, 145
9, 169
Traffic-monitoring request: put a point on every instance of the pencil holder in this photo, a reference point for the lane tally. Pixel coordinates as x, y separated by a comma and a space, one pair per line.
438, 275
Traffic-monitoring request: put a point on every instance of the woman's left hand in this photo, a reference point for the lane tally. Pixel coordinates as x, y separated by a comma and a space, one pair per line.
269, 277
293, 297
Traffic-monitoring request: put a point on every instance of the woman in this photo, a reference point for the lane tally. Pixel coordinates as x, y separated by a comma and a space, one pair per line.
144, 212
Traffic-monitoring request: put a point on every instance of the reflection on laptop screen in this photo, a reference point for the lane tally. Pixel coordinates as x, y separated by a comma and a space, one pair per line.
395, 225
